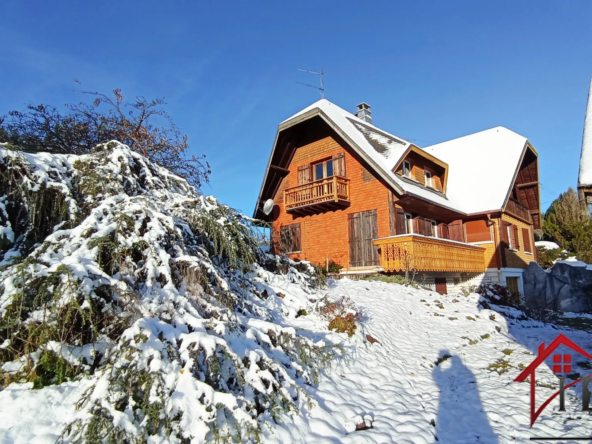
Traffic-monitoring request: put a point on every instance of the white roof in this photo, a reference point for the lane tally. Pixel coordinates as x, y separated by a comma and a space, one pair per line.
585, 176
372, 140
481, 168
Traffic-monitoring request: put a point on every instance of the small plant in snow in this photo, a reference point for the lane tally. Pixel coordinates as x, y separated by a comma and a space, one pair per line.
343, 315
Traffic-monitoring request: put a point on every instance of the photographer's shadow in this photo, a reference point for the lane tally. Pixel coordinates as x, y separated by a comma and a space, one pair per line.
461, 418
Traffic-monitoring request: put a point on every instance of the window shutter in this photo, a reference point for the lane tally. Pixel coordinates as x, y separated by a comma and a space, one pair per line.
304, 174
425, 227
456, 231
443, 231
339, 164
285, 241
504, 234
526, 239
416, 225
515, 240
400, 221
296, 238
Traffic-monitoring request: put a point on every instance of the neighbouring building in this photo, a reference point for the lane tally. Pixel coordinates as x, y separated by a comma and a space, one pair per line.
585, 176
337, 188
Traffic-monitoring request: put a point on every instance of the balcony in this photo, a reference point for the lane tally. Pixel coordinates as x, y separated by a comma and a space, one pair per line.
329, 193
519, 210
415, 252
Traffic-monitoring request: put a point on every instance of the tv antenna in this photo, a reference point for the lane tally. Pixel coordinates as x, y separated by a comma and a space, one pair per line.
320, 74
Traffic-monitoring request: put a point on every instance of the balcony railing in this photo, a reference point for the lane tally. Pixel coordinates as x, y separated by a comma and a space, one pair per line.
518, 209
332, 189
415, 252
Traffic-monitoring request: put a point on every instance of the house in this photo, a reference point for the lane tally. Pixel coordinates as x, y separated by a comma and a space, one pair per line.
458, 213
562, 365
585, 175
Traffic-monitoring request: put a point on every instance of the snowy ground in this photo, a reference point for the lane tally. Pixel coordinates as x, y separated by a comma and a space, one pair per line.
395, 382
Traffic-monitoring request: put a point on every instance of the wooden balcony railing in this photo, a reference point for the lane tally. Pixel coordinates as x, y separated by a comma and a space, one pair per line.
518, 209
332, 189
415, 252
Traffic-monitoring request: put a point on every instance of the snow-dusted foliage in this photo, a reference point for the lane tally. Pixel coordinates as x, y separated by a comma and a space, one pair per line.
115, 269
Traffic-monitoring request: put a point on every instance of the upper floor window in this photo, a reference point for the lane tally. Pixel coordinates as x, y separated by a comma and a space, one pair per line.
514, 244
408, 223
434, 228
406, 168
428, 179
323, 169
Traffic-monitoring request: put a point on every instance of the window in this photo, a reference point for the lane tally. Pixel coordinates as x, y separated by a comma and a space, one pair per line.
478, 231
428, 178
323, 169
290, 239
406, 168
434, 228
526, 240
513, 237
408, 223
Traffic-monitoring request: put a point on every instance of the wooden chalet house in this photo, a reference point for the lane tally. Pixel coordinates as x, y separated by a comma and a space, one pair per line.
457, 213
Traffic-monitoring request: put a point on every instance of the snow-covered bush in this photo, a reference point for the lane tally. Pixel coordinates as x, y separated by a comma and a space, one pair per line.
498, 294
117, 270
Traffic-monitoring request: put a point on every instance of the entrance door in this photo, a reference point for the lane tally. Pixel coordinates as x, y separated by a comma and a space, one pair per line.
512, 283
363, 227
441, 286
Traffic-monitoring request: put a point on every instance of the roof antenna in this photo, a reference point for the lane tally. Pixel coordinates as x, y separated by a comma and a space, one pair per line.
320, 74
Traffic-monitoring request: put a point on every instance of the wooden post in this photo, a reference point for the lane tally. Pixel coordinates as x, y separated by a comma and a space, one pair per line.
335, 188
327, 264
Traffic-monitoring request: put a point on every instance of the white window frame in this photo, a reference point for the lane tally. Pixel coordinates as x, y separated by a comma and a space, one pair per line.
428, 178
407, 168
511, 239
434, 226
408, 223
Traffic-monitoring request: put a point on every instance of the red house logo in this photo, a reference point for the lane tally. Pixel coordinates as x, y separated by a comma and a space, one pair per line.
562, 365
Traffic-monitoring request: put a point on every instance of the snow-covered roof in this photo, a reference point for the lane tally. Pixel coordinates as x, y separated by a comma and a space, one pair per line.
481, 168
371, 139
585, 176
382, 148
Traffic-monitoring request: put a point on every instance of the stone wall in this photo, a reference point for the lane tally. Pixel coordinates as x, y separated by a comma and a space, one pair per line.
564, 288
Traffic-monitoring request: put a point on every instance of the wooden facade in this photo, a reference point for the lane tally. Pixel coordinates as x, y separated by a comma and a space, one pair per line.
332, 204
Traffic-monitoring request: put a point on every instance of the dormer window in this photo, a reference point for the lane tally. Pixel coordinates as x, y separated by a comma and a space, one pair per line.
428, 179
406, 168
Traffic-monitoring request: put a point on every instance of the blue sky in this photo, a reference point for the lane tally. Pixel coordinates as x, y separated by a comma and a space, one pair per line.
432, 70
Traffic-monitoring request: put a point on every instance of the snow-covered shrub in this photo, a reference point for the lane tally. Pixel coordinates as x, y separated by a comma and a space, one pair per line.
498, 294
124, 274
342, 314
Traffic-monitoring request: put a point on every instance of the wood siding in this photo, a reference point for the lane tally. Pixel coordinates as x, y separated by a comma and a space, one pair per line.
518, 258
325, 234
526, 187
